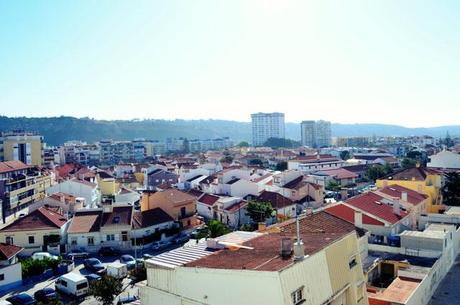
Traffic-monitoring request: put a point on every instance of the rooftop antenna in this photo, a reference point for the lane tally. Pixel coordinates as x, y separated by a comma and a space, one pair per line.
299, 251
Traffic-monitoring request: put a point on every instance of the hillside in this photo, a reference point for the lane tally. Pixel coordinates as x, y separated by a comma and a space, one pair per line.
57, 130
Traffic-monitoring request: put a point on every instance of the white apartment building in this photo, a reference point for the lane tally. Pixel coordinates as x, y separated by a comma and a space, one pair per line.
316, 133
265, 126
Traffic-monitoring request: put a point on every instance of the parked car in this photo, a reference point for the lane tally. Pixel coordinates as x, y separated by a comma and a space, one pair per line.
77, 254
93, 264
22, 299
127, 299
42, 255
160, 245
181, 239
108, 251
93, 277
45, 295
128, 260
73, 284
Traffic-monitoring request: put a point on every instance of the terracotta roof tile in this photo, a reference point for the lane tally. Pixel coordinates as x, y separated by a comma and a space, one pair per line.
40, 219
277, 201
317, 232
150, 218
9, 166
120, 216
346, 213
8, 251
86, 221
396, 191
208, 199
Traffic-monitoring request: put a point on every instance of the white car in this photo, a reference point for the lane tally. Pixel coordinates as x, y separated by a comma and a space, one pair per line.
43, 255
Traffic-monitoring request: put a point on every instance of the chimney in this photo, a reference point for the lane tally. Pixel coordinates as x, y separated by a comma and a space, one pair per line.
404, 196
286, 247
299, 250
397, 207
358, 219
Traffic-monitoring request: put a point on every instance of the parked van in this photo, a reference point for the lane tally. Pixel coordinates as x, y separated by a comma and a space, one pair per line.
72, 283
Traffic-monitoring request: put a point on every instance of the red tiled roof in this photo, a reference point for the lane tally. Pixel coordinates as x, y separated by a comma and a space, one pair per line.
85, 222
208, 199
196, 193
120, 216
317, 232
150, 218
65, 169
346, 213
295, 184
395, 190
338, 173
277, 201
8, 251
371, 203
413, 173
40, 219
10, 166
236, 206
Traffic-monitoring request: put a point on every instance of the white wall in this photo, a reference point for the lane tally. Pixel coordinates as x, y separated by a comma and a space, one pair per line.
12, 274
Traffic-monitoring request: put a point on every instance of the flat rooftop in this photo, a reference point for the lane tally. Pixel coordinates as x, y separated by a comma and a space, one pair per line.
262, 253
398, 292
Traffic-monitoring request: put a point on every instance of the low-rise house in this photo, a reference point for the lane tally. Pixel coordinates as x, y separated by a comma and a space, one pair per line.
312, 163
205, 206
323, 268
373, 213
341, 176
285, 207
179, 205
146, 223
84, 230
446, 160
40, 230
158, 176
116, 226
10, 267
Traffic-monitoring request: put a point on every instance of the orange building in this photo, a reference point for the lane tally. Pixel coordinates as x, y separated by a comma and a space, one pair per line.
179, 205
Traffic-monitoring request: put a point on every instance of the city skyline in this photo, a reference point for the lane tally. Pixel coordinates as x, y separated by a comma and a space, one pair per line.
386, 62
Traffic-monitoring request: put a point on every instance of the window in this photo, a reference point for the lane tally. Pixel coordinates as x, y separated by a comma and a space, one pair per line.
110, 237
31, 240
297, 296
124, 236
359, 291
352, 262
90, 241
63, 283
2, 277
82, 286
73, 242
9, 240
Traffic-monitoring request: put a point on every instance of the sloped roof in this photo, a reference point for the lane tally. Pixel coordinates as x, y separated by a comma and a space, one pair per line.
171, 196
86, 222
277, 200
413, 173
10, 166
119, 216
371, 203
150, 218
8, 251
346, 213
40, 219
296, 183
338, 173
317, 232
208, 199
395, 190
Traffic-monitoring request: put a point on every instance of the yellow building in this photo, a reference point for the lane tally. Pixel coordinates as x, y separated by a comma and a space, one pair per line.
264, 268
423, 180
107, 184
26, 147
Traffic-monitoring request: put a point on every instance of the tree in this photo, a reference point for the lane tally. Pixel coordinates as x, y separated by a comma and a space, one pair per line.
55, 301
281, 166
408, 163
333, 186
256, 161
243, 144
106, 289
247, 227
227, 158
345, 155
259, 211
213, 229
451, 189
281, 143
375, 172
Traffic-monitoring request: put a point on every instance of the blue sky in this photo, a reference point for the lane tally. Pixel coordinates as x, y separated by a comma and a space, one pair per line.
393, 62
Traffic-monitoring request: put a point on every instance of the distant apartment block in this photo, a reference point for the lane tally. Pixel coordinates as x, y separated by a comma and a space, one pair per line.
267, 125
23, 146
315, 133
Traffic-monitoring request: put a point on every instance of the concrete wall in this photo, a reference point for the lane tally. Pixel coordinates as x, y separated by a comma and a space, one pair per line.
13, 277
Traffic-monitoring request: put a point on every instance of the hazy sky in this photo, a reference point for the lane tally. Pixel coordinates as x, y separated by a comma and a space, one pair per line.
345, 61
